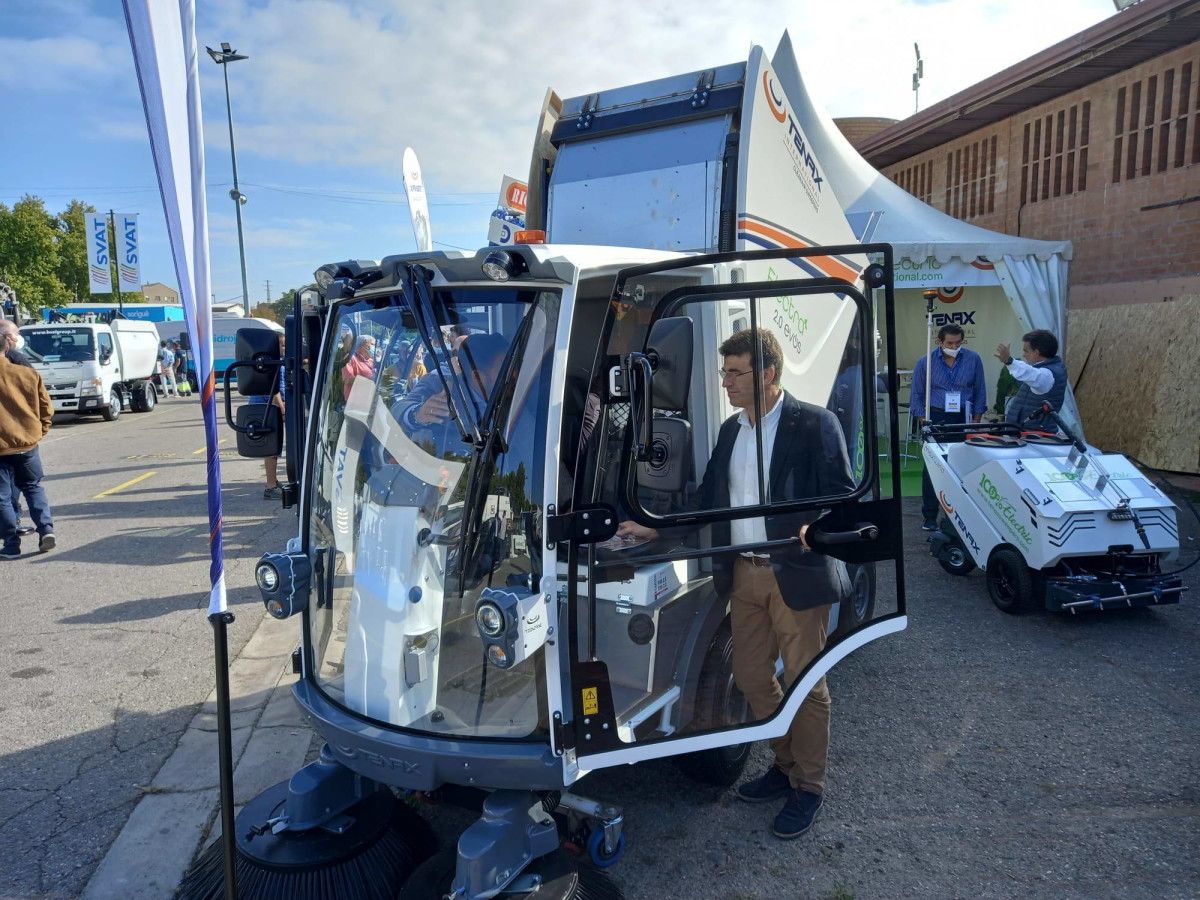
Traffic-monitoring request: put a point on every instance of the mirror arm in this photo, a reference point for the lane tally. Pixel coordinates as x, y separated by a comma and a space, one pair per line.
643, 426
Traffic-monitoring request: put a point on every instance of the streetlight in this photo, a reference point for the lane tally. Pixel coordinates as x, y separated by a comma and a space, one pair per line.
223, 57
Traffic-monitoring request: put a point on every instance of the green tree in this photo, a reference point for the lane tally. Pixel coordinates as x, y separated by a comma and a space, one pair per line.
72, 268
276, 310
29, 248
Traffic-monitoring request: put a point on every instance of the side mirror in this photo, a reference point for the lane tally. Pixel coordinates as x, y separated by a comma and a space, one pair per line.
105, 356
257, 367
669, 348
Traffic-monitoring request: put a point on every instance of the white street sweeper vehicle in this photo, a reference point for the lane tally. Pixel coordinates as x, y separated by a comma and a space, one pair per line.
468, 615
1054, 522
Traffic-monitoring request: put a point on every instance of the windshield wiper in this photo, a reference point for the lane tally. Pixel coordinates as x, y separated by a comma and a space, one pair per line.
458, 396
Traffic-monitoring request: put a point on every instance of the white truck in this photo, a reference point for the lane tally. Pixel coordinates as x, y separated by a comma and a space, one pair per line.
94, 368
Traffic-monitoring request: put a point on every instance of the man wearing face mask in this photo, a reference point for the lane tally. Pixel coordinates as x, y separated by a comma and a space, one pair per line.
957, 389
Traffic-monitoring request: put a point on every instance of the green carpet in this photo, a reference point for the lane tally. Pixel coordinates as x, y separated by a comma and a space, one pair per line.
910, 473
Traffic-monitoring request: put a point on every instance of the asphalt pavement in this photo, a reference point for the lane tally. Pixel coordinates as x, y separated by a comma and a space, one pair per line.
105, 651
975, 754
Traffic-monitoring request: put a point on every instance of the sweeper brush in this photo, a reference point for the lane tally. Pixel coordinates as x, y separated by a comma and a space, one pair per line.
365, 854
555, 876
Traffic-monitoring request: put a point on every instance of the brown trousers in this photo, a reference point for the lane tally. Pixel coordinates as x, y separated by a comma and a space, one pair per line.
764, 629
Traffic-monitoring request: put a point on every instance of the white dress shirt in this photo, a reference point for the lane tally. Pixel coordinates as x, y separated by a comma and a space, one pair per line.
743, 473
1040, 380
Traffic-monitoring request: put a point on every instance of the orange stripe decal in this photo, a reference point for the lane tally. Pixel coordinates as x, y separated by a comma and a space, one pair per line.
826, 264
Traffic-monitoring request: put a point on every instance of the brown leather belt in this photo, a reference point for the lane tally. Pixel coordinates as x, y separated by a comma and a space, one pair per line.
758, 561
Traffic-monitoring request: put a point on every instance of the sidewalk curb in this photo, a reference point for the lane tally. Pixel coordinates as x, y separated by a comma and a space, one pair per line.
179, 807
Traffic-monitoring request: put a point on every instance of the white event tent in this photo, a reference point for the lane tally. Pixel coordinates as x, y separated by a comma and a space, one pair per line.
996, 285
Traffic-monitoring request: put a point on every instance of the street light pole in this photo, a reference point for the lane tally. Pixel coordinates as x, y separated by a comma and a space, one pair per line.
223, 57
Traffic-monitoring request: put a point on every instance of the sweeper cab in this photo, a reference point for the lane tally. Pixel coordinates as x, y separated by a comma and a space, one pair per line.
1053, 522
465, 433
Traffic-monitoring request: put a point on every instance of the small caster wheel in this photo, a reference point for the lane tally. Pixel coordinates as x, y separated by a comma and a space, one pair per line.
596, 852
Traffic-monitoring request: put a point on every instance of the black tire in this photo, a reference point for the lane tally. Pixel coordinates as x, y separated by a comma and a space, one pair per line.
718, 703
955, 559
112, 412
562, 879
144, 398
860, 606
1009, 581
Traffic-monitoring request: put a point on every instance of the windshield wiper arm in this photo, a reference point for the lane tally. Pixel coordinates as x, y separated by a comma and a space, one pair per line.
458, 396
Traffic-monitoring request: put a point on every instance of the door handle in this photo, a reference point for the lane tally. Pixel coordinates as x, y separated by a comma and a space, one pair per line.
865, 531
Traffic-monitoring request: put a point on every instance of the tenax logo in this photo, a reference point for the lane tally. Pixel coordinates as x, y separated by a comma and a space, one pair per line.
798, 146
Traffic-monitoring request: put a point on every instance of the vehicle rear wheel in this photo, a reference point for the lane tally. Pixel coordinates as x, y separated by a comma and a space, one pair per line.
859, 607
718, 703
1009, 581
144, 398
113, 410
955, 559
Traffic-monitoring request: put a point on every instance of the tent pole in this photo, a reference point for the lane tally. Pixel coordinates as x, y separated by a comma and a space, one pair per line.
929, 295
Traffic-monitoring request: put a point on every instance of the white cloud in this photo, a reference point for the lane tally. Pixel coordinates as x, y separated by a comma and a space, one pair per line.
350, 85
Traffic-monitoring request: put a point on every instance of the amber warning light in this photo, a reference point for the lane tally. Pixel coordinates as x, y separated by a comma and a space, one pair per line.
530, 236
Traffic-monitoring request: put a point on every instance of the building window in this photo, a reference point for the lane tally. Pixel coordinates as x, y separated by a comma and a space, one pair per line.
1054, 153
1152, 136
971, 179
917, 180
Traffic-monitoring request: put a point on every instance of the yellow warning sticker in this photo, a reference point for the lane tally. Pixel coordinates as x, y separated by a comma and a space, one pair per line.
591, 701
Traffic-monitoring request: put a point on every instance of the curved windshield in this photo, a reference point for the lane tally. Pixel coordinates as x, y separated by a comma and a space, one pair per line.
61, 344
426, 494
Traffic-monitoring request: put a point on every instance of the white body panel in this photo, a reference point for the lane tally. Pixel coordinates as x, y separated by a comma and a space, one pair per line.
1037, 499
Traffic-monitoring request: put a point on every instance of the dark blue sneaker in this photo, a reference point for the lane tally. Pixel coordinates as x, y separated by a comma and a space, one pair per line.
929, 525
770, 785
797, 815
10, 551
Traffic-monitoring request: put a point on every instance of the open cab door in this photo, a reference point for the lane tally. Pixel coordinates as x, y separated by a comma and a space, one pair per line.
704, 501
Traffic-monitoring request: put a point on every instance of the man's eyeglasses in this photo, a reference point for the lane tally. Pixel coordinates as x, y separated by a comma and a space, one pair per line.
732, 374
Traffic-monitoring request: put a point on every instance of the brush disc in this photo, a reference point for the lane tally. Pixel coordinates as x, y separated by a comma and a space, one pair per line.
369, 859
562, 879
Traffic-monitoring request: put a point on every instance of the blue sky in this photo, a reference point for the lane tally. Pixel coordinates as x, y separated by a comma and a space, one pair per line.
333, 92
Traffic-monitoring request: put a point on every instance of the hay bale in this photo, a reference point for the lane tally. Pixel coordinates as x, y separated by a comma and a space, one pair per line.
1136, 372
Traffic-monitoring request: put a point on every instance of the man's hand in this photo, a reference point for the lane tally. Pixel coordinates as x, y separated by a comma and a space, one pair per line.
1003, 354
633, 529
435, 409
803, 537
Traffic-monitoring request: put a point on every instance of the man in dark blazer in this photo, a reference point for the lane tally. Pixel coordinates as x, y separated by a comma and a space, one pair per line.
779, 601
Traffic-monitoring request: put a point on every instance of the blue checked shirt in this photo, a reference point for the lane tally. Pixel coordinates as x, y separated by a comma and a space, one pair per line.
966, 377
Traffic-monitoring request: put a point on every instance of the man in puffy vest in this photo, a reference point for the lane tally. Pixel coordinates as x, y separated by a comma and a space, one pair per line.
1042, 376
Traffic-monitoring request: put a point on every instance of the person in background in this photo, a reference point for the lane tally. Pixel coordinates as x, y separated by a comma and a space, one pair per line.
957, 389
182, 387
360, 365
26, 420
166, 370
271, 463
418, 370
10, 338
1042, 375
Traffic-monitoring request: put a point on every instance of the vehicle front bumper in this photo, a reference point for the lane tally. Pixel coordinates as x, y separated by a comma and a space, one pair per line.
424, 763
1071, 595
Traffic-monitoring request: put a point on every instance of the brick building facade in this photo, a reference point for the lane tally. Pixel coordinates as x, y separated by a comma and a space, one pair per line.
1095, 140
1113, 165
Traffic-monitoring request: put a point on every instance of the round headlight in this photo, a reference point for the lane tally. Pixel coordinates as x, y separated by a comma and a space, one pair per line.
497, 656
275, 608
489, 619
267, 577
498, 266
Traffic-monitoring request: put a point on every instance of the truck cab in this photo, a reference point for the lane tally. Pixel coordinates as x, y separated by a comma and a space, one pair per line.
96, 367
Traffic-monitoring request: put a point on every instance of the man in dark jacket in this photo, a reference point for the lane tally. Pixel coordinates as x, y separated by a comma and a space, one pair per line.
1042, 376
779, 601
